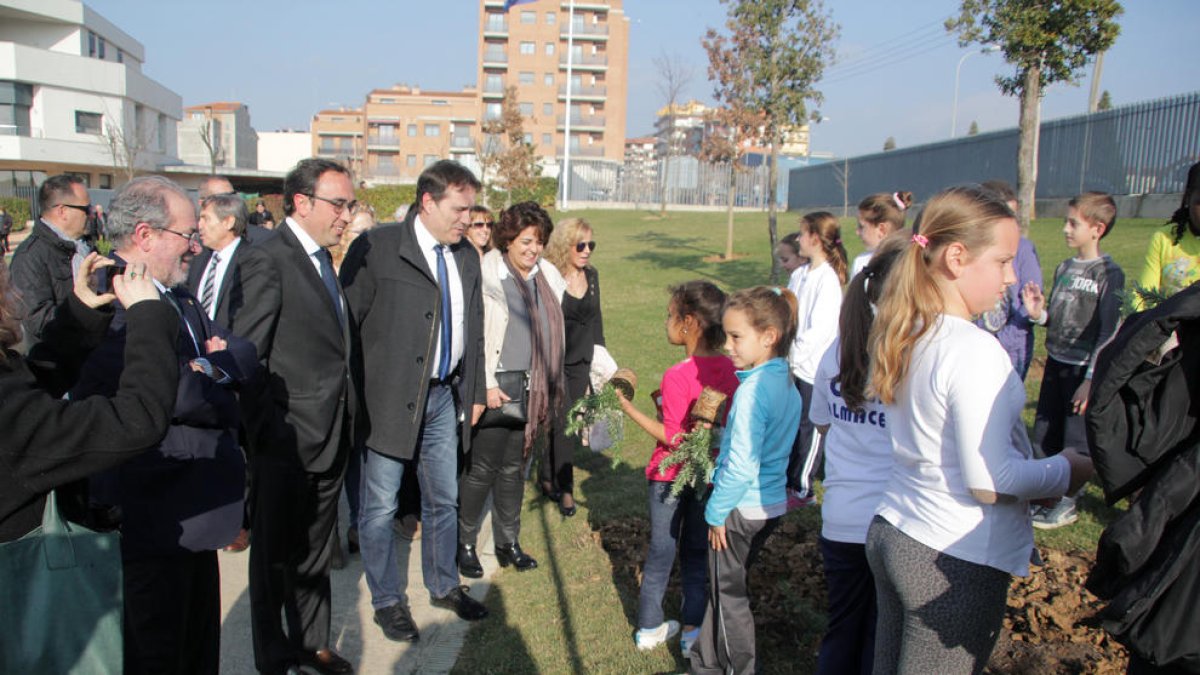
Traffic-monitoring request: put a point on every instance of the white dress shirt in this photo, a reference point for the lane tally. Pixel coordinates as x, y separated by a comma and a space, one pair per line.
427, 244
312, 248
225, 255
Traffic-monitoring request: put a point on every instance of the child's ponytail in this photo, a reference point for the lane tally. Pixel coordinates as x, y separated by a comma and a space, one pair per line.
825, 226
912, 301
857, 315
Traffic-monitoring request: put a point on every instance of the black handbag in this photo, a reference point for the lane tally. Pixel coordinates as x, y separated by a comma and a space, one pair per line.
513, 413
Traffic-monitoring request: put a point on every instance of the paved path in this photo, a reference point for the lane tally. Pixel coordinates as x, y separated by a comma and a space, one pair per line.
353, 631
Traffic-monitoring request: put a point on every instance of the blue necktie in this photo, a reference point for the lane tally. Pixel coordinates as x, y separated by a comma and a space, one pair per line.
328, 276
444, 286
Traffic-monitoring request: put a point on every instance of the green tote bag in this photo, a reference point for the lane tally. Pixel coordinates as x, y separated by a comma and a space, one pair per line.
61, 599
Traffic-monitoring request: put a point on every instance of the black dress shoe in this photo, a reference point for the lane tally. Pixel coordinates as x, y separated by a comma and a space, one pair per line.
567, 511
467, 608
468, 562
511, 554
327, 661
397, 623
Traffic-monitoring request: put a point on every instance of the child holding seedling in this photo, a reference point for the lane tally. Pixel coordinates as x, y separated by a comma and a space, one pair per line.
677, 521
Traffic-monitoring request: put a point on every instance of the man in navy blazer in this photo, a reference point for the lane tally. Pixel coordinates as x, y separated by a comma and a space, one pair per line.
298, 422
417, 308
181, 500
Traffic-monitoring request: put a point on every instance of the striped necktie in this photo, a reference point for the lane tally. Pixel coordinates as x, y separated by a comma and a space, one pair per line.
210, 276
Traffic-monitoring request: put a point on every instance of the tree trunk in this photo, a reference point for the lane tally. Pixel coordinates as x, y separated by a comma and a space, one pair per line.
666, 167
772, 197
1027, 151
729, 212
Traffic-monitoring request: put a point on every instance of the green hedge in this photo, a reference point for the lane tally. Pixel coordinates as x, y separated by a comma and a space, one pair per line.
385, 199
18, 208
543, 193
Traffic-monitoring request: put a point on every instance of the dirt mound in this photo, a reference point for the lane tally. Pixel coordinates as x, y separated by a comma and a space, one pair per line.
1045, 626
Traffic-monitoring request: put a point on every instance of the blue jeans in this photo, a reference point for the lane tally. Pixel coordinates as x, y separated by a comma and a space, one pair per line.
436, 464
849, 642
674, 522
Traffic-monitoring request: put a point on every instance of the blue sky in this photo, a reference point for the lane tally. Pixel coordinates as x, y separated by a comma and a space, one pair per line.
287, 59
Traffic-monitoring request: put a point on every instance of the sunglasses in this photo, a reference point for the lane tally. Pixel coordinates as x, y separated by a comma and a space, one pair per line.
588, 245
482, 223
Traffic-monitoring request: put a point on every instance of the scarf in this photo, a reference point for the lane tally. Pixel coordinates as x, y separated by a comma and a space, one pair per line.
546, 361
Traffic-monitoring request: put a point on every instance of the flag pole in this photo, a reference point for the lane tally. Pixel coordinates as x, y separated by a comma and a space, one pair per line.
566, 170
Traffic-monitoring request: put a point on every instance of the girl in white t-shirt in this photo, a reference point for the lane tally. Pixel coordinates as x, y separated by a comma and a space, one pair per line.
818, 290
953, 524
858, 464
879, 215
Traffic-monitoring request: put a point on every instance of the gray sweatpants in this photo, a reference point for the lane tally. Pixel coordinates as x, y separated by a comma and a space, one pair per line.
726, 641
937, 613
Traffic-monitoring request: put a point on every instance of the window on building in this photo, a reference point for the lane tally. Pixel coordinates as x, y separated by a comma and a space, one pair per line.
528, 48
433, 130
100, 52
549, 49
15, 101
546, 139
385, 163
529, 17
91, 43
387, 100
548, 79
525, 77
493, 111
528, 138
430, 159
493, 83
106, 181
410, 161
412, 130
440, 101
89, 123
551, 17
526, 109
120, 56
547, 109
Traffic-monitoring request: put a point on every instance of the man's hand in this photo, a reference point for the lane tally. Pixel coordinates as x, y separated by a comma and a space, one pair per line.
477, 412
215, 344
496, 396
134, 286
83, 287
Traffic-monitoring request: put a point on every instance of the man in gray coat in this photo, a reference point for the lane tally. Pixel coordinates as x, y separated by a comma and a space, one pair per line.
415, 301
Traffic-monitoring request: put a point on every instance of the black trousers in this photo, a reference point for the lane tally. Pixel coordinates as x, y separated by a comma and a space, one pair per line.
807, 459
558, 460
495, 463
1056, 427
726, 641
292, 517
173, 614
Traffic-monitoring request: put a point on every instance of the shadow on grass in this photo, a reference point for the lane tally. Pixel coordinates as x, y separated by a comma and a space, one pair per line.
498, 629
663, 251
550, 562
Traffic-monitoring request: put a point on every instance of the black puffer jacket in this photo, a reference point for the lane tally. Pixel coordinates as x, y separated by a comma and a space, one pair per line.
1143, 431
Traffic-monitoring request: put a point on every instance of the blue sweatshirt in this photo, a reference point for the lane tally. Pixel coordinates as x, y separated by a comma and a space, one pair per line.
751, 470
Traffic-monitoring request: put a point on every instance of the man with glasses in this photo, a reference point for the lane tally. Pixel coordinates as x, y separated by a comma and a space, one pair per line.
297, 425
181, 500
43, 265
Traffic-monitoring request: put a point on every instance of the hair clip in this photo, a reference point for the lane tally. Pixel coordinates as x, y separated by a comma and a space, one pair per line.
920, 240
899, 202
778, 290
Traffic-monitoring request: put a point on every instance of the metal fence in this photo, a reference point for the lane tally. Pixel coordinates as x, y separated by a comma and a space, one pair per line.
1136, 149
687, 182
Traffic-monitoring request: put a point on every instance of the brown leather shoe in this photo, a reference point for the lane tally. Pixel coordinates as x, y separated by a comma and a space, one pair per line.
328, 662
241, 543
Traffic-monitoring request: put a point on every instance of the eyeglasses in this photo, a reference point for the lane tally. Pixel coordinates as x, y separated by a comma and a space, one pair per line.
193, 238
339, 205
589, 245
482, 223
86, 208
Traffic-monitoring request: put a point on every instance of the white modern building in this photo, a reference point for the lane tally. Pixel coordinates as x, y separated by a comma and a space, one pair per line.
219, 131
281, 150
73, 98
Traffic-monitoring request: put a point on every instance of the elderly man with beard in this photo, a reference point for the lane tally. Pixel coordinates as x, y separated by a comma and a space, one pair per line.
180, 501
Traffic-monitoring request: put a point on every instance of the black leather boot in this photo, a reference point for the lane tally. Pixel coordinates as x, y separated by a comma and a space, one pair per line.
511, 554
468, 562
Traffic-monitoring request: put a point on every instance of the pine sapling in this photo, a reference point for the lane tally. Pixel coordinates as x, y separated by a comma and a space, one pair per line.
693, 454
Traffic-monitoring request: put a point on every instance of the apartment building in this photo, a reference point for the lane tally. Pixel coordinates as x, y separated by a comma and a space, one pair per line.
69, 82
684, 128
226, 127
553, 51
338, 135
408, 129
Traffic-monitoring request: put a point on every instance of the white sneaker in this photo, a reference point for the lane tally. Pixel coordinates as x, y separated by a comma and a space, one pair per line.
649, 638
686, 640
1061, 514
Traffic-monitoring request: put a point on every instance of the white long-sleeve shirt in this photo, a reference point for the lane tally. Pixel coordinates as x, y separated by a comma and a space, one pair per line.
819, 301
956, 426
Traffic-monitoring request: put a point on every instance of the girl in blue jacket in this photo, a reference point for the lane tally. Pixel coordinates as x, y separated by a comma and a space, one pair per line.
749, 493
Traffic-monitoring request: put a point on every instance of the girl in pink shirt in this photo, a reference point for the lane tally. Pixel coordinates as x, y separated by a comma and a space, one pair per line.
693, 322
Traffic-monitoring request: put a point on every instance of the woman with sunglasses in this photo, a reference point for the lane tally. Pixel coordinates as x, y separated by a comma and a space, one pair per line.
570, 250
480, 231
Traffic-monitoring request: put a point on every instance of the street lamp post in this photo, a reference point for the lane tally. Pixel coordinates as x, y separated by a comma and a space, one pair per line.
987, 49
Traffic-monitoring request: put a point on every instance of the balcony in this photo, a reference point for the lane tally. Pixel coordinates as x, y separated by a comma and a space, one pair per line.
335, 150
496, 59
493, 4
580, 6
383, 141
582, 122
597, 92
585, 31
493, 91
584, 62
582, 151
495, 29
462, 144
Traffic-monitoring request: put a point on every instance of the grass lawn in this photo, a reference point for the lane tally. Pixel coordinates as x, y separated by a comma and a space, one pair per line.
576, 613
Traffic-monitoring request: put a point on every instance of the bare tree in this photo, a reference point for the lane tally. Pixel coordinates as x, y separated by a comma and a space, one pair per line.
674, 75
125, 148
502, 150
210, 136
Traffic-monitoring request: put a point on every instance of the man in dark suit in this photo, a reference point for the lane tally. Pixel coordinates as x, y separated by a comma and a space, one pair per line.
415, 298
220, 185
297, 427
223, 274
181, 500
